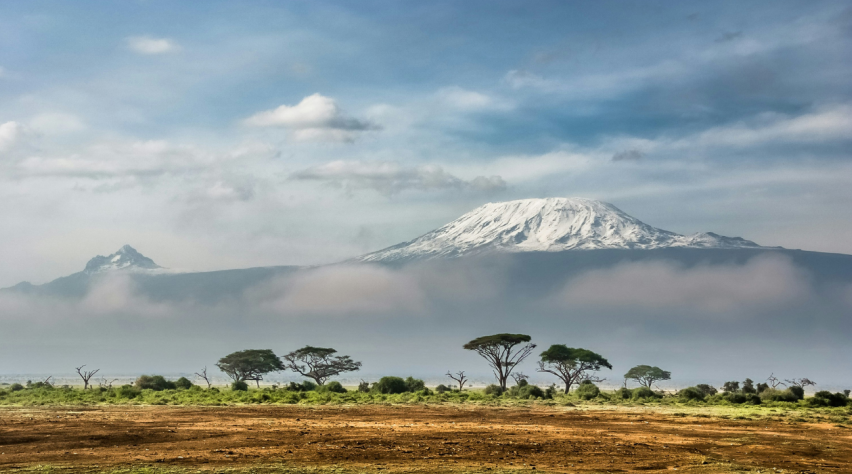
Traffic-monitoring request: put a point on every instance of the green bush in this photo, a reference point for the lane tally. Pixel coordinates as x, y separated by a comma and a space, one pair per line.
551, 392
127, 391
691, 393
442, 388
825, 398
154, 382
706, 389
623, 393
528, 391
642, 393
775, 395
239, 386
183, 383
587, 390
390, 385
799, 392
414, 385
364, 387
15, 387
334, 387
494, 389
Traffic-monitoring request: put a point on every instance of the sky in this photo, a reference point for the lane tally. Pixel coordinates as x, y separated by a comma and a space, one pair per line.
238, 134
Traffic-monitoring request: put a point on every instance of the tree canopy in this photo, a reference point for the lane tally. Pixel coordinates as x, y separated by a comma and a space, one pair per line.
502, 353
319, 363
647, 375
250, 364
571, 365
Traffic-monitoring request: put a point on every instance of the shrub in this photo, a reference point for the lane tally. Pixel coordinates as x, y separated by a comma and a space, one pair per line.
183, 383
643, 393
494, 389
528, 391
390, 385
308, 386
587, 390
731, 387
15, 387
775, 395
623, 393
762, 387
825, 398
550, 392
334, 387
691, 393
799, 392
706, 389
414, 385
239, 386
364, 387
127, 391
442, 388
154, 382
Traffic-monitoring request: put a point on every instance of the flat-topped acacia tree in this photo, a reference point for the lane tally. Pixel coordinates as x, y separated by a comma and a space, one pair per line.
319, 363
503, 352
647, 375
250, 364
570, 364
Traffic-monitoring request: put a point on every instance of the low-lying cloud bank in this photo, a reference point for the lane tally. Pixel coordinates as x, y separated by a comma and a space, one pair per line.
414, 318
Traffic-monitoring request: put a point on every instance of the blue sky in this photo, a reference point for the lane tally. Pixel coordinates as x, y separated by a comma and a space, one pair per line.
230, 134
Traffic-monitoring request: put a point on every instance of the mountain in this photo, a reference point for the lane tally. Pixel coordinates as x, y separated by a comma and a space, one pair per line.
126, 258
547, 225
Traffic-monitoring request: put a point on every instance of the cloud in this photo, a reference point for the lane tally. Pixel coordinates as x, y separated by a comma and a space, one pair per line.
9, 134
57, 123
342, 290
316, 117
150, 46
462, 99
729, 36
762, 281
628, 155
390, 177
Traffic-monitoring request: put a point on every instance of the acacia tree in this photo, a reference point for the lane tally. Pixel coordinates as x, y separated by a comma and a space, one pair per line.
459, 377
503, 352
319, 363
647, 375
571, 365
250, 364
86, 375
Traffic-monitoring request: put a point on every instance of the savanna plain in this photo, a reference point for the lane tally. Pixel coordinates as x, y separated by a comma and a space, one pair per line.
42, 430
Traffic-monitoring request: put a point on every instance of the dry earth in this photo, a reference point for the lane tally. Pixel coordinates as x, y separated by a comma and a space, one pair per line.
414, 439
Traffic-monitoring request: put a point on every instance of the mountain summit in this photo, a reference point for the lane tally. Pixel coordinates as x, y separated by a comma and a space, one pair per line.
546, 225
126, 258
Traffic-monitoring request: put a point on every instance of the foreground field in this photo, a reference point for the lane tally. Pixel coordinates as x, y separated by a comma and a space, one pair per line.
416, 438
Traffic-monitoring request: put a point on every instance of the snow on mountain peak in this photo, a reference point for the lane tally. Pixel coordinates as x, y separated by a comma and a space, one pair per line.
546, 225
126, 258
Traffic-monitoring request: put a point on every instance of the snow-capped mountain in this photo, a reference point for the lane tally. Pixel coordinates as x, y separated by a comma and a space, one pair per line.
546, 225
126, 258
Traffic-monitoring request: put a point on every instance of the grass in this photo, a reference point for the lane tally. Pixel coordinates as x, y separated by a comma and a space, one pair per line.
67, 396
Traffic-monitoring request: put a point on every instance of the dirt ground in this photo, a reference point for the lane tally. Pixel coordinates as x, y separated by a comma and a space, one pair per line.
415, 439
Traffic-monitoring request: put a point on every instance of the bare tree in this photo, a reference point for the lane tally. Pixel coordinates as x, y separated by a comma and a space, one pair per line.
203, 375
86, 375
774, 381
107, 384
802, 382
459, 378
518, 377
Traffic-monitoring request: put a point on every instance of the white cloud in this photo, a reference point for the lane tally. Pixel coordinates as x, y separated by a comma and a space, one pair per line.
57, 123
773, 281
149, 45
316, 117
390, 177
343, 290
462, 99
9, 134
